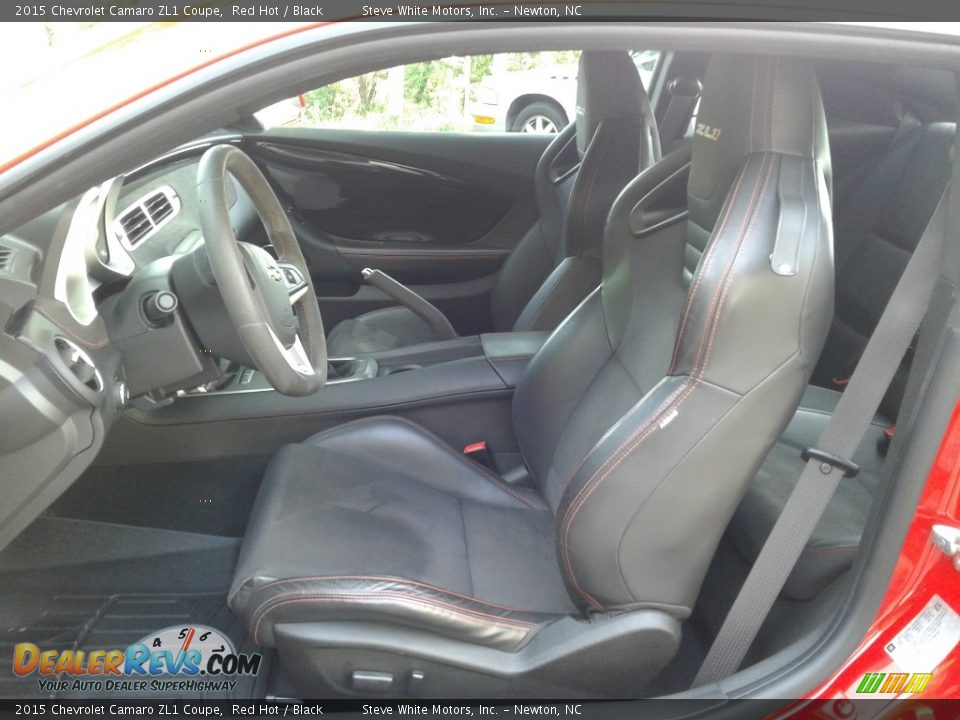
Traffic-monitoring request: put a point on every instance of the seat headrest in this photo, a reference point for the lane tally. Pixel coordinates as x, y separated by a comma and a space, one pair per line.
752, 104
608, 86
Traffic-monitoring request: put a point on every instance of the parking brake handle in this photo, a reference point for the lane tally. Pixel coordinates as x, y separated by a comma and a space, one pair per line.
430, 314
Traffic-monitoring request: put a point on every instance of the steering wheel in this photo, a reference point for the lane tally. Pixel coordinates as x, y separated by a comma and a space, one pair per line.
271, 303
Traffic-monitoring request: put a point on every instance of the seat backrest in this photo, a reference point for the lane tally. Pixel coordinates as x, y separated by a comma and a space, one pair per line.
613, 137
876, 231
649, 409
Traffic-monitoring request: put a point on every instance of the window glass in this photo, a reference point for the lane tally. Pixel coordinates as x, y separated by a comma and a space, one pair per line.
506, 92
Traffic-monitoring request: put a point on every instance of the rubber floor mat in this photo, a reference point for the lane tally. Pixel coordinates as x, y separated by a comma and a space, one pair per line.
87, 622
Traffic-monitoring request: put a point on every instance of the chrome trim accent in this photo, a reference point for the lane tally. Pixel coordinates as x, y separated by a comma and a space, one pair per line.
118, 259
82, 355
237, 389
183, 152
72, 285
141, 204
298, 287
295, 355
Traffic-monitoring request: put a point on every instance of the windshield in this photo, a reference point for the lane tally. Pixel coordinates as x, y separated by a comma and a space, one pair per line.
59, 75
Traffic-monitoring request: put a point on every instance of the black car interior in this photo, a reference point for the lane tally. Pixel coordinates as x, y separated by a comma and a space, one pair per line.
557, 262
547, 470
618, 416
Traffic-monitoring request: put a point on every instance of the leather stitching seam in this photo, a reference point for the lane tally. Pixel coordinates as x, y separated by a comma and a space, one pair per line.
717, 302
370, 597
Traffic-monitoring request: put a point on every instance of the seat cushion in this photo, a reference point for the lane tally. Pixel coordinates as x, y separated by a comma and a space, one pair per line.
380, 520
836, 539
376, 331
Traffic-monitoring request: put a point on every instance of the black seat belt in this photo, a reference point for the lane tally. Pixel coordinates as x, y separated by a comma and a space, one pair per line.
828, 463
684, 94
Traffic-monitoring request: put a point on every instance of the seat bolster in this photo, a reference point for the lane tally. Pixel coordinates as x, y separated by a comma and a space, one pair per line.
378, 330
565, 288
393, 600
405, 447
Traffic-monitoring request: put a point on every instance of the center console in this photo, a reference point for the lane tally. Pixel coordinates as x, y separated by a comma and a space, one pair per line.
460, 388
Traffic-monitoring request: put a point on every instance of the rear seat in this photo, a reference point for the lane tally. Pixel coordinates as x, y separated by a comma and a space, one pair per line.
835, 541
875, 233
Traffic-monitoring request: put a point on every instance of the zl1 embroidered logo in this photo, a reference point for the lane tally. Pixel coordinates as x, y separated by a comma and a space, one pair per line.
893, 683
710, 133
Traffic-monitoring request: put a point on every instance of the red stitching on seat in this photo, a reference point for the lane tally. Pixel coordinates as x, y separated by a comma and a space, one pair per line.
388, 578
362, 597
581, 499
703, 265
721, 227
701, 360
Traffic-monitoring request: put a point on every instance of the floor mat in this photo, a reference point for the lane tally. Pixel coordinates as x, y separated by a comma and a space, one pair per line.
81, 557
212, 497
80, 585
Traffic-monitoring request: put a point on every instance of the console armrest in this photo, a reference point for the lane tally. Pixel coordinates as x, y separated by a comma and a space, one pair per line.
509, 353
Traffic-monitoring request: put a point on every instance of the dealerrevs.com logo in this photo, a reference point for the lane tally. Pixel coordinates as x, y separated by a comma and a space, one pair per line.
192, 658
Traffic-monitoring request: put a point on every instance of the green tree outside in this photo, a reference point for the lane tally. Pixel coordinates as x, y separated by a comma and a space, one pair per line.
424, 96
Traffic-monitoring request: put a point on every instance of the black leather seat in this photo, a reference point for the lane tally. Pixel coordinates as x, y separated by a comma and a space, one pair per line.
557, 263
396, 520
875, 234
375, 547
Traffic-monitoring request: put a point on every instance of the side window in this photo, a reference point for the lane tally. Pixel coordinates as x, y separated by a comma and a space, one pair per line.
507, 92
646, 62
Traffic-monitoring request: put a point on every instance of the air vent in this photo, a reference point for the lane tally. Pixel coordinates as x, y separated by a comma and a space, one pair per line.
146, 216
6, 257
135, 224
79, 364
159, 208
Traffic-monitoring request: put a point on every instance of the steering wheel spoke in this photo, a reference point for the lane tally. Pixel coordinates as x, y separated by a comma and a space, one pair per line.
296, 354
258, 289
297, 285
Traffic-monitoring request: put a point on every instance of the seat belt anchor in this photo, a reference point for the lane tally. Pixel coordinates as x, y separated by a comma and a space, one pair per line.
850, 468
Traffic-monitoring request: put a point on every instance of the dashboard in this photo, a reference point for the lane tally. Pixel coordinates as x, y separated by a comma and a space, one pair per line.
83, 332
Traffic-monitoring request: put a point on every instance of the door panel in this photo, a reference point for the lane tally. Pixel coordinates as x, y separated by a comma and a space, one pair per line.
376, 201
438, 211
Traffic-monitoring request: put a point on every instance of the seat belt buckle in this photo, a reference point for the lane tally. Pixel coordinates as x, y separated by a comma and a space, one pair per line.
480, 453
883, 442
850, 468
